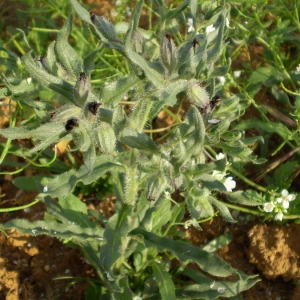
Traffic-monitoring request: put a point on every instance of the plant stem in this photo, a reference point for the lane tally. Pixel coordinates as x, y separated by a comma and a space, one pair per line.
244, 209
246, 180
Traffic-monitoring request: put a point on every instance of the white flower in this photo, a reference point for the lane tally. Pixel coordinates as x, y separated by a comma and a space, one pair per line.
45, 189
220, 156
285, 198
297, 71
222, 80
218, 175
210, 28
227, 22
230, 184
279, 216
237, 73
213, 121
29, 80
190, 25
269, 206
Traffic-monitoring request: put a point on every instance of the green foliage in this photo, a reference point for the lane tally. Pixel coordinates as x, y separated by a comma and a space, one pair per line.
110, 121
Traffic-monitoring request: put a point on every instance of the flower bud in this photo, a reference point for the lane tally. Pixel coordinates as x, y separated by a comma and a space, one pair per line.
104, 27
168, 52
137, 41
156, 186
71, 123
44, 62
197, 94
93, 107
82, 88
107, 138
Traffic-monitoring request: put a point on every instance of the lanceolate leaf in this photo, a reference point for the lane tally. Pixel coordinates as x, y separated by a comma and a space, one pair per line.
82, 12
43, 77
186, 252
114, 91
65, 53
64, 183
47, 134
224, 211
207, 288
116, 238
79, 235
137, 140
164, 281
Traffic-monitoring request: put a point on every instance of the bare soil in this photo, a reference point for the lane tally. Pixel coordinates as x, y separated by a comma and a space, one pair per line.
29, 265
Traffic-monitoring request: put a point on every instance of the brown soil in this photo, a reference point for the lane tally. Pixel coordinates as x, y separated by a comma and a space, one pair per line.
30, 264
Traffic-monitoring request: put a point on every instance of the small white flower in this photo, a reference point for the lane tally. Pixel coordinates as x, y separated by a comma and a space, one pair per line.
269, 206
285, 198
210, 28
278, 216
227, 22
45, 189
230, 184
190, 25
29, 80
285, 204
237, 73
213, 121
222, 80
297, 71
218, 175
220, 156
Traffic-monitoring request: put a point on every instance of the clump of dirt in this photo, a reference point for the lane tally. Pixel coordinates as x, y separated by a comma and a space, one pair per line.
251, 238
275, 250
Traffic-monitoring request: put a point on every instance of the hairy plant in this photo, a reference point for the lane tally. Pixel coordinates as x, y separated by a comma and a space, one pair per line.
135, 250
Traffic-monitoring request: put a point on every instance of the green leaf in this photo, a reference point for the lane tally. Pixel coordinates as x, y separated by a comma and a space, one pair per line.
198, 170
32, 183
137, 140
114, 91
214, 53
116, 239
66, 54
71, 210
23, 87
82, 12
155, 77
198, 203
164, 281
48, 134
72, 232
135, 16
283, 176
63, 184
276, 127
195, 139
51, 63
218, 243
43, 77
89, 62
186, 253
248, 197
224, 211
173, 13
207, 288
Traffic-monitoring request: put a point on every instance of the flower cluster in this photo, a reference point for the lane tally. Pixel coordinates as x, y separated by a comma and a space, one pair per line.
228, 182
279, 205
